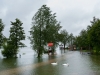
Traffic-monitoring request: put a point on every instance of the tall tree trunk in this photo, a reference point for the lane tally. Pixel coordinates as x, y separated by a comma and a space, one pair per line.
39, 54
39, 51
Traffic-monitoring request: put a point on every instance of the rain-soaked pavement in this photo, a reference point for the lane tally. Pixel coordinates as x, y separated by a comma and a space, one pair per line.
28, 64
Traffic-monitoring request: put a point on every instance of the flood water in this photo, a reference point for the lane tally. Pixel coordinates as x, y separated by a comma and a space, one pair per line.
29, 64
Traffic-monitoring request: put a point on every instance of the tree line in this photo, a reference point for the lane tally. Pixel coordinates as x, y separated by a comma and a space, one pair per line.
89, 38
45, 28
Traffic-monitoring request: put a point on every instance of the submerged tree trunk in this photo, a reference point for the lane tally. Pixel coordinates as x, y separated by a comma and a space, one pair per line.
64, 47
53, 50
39, 52
39, 55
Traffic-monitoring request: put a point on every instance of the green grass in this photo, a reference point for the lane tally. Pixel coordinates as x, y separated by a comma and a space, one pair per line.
85, 50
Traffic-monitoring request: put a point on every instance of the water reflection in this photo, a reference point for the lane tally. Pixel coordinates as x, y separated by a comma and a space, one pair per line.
8, 63
95, 65
28, 64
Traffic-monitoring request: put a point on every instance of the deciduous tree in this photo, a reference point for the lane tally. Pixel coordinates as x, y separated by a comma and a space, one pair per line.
14, 41
44, 29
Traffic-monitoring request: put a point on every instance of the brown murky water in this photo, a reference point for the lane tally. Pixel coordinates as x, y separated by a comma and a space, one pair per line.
28, 64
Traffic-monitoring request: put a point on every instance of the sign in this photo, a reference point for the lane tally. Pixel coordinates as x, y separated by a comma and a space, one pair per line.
50, 44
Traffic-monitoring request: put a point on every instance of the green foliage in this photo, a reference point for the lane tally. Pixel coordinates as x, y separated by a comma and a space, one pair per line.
17, 33
64, 37
14, 40
94, 34
44, 29
71, 39
83, 42
77, 41
1, 29
90, 37
8, 50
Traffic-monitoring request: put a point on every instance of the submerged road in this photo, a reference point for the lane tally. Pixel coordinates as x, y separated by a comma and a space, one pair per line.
22, 69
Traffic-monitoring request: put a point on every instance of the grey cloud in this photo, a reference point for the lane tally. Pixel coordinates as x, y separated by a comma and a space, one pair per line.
22, 9
73, 16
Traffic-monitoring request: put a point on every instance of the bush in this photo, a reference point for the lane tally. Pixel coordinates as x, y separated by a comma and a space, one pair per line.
8, 51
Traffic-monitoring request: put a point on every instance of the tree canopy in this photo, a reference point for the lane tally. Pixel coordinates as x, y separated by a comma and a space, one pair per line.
94, 34
44, 29
1, 34
14, 40
64, 37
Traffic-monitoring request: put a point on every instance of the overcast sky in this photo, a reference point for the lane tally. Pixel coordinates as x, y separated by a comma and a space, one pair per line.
74, 15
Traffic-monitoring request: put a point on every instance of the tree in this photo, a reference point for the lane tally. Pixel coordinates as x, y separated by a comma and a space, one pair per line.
76, 42
14, 40
84, 39
44, 29
71, 40
94, 34
1, 29
89, 42
63, 37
